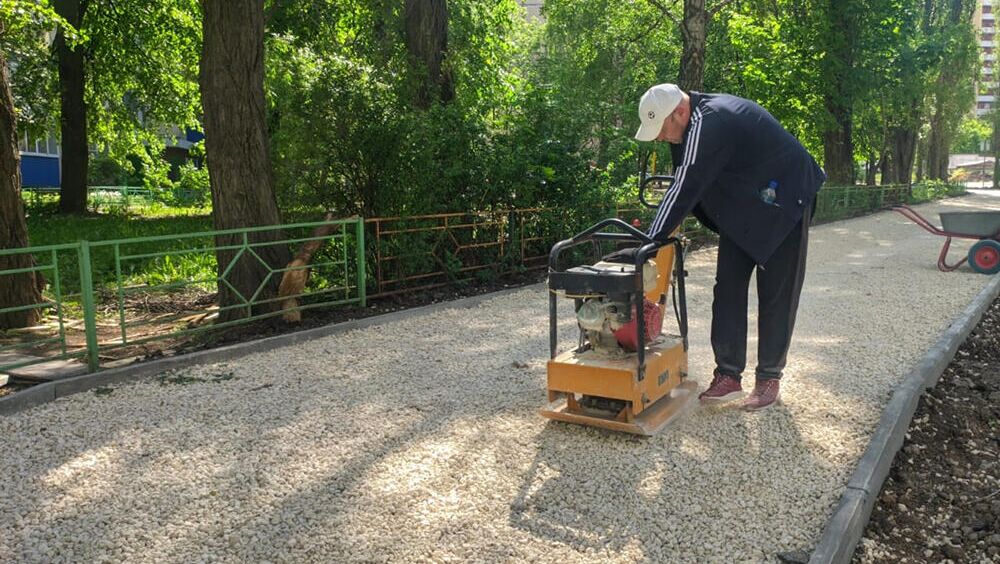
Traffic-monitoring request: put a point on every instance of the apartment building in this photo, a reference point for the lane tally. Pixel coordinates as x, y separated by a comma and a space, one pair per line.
532, 7
985, 24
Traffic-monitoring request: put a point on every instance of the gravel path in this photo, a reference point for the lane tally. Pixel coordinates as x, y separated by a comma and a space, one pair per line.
418, 440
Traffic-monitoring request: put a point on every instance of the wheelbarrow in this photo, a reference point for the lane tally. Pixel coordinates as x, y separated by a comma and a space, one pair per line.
983, 226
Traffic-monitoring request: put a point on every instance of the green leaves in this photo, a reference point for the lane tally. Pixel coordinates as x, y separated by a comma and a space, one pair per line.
142, 70
23, 21
544, 111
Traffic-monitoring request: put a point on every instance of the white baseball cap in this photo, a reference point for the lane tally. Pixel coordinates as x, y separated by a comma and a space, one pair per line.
655, 105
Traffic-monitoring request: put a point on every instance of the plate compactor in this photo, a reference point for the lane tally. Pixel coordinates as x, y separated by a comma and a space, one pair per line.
613, 379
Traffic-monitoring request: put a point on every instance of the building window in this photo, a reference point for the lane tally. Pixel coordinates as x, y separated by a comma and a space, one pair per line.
47, 145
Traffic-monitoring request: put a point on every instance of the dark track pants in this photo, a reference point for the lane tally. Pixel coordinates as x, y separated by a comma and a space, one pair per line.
779, 284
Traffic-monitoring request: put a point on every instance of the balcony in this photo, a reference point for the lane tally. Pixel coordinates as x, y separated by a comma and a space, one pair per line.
987, 30
990, 43
989, 57
986, 98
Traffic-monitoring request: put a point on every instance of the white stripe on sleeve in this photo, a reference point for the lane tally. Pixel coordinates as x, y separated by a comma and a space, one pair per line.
690, 155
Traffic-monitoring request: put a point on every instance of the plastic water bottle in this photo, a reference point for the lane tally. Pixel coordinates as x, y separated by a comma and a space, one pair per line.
770, 193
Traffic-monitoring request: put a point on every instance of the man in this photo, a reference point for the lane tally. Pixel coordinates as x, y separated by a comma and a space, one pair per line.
749, 180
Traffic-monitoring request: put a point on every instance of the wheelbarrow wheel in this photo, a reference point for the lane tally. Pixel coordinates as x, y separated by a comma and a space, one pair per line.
984, 256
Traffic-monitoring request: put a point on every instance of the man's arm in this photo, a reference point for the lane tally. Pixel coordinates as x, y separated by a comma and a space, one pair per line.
707, 150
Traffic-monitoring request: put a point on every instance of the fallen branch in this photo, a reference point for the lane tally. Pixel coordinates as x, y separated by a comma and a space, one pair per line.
293, 281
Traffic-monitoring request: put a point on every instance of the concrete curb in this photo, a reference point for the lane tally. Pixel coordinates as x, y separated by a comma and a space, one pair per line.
44, 393
847, 524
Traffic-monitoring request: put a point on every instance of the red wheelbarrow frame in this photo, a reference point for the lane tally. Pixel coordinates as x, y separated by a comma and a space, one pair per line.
943, 265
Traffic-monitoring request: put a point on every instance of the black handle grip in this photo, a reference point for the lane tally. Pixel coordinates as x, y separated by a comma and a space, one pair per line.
629, 230
647, 246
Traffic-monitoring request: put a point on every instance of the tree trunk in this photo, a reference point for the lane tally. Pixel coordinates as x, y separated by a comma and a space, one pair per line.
887, 169
996, 149
73, 113
937, 149
940, 136
838, 152
921, 159
236, 143
426, 23
838, 143
694, 31
15, 289
904, 146
996, 170
871, 168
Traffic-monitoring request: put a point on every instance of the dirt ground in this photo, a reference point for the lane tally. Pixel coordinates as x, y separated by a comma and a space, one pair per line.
941, 501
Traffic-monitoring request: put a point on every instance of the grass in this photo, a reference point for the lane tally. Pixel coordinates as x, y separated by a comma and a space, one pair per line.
186, 266
111, 203
46, 227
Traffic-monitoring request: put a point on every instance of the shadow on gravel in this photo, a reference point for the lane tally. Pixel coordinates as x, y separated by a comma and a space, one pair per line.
335, 432
599, 491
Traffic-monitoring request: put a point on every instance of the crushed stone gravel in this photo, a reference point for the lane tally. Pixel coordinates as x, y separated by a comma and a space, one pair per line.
419, 439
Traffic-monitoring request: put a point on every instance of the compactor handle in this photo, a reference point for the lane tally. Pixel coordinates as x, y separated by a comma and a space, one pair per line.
647, 246
647, 163
593, 232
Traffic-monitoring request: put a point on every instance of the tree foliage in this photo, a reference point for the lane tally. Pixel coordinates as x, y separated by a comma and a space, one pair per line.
138, 68
20, 25
369, 112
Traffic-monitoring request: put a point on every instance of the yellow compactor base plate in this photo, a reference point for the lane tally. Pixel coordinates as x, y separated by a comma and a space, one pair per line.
682, 399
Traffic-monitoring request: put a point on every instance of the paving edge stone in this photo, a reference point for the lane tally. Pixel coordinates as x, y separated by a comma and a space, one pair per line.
847, 524
44, 393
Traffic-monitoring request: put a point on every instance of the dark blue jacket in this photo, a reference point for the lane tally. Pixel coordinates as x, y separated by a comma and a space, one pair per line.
730, 151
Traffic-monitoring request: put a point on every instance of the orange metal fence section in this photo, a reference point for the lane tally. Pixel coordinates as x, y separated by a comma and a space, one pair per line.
429, 251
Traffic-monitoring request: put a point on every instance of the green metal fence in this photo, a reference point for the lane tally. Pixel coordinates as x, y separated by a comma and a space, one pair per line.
838, 202
96, 317
44, 261
835, 202
102, 298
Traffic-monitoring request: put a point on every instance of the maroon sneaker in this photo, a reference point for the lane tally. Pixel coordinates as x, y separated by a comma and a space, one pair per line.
723, 388
765, 394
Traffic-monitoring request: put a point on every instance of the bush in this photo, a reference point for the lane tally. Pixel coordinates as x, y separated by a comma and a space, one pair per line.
960, 175
103, 170
935, 189
192, 189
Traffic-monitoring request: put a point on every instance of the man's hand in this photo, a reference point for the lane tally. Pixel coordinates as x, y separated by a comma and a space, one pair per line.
623, 256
